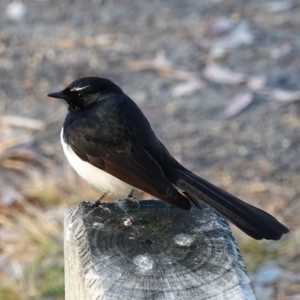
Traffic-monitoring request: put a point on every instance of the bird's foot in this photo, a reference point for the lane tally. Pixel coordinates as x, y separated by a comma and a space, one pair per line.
99, 199
130, 198
105, 209
98, 204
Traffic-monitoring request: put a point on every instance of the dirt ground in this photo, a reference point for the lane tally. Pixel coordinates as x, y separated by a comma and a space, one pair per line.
218, 80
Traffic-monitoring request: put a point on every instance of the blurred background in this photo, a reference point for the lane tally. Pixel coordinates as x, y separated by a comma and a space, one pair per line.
219, 80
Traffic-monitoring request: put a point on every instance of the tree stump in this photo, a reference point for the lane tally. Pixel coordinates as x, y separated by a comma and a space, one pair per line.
151, 250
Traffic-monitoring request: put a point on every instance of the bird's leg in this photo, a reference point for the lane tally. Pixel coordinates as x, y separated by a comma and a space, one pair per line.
130, 195
99, 199
131, 198
97, 203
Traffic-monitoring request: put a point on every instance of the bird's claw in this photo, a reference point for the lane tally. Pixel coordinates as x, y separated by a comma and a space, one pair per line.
130, 198
105, 209
97, 203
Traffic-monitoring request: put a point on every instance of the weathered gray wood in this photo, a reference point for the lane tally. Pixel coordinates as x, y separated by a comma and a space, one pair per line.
150, 250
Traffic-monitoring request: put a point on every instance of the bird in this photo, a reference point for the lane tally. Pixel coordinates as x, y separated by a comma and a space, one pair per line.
110, 143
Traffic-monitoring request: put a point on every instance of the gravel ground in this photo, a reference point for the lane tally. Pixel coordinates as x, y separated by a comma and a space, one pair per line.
150, 49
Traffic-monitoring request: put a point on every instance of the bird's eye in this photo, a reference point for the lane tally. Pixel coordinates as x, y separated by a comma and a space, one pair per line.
80, 94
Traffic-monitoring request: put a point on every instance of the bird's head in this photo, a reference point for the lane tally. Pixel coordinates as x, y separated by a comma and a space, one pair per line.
83, 92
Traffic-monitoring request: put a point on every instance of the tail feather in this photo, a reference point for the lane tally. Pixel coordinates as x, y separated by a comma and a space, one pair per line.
250, 219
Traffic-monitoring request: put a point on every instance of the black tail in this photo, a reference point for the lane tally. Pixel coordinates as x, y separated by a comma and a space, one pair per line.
250, 219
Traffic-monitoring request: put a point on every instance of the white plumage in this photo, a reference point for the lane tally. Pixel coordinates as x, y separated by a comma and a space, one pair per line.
94, 176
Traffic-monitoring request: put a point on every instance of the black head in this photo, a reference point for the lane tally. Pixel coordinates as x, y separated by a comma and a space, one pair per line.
83, 92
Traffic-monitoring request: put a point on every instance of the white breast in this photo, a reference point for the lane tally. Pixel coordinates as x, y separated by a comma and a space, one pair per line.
94, 176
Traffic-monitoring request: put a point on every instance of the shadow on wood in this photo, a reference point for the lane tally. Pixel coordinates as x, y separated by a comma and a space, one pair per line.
150, 250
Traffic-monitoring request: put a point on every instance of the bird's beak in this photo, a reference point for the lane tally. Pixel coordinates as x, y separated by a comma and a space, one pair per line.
56, 95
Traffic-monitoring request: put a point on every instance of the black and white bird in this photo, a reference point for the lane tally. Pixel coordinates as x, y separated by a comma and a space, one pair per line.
110, 143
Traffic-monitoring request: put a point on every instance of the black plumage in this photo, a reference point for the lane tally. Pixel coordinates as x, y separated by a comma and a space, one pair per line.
106, 129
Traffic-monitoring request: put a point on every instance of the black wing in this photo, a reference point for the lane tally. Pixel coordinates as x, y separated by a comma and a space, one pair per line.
123, 158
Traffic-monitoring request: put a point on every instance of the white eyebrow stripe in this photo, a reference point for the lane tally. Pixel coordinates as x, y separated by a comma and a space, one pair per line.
76, 89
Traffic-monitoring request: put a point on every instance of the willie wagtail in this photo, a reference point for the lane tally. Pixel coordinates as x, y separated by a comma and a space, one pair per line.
110, 143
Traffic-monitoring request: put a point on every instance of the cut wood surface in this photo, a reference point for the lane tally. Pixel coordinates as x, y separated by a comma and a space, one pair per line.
150, 250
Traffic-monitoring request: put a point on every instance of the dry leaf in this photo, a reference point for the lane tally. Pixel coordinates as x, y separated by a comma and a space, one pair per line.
220, 26
283, 95
22, 122
161, 65
16, 10
187, 88
104, 40
222, 75
281, 51
256, 83
240, 36
256, 187
16, 140
238, 104
278, 6
67, 43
